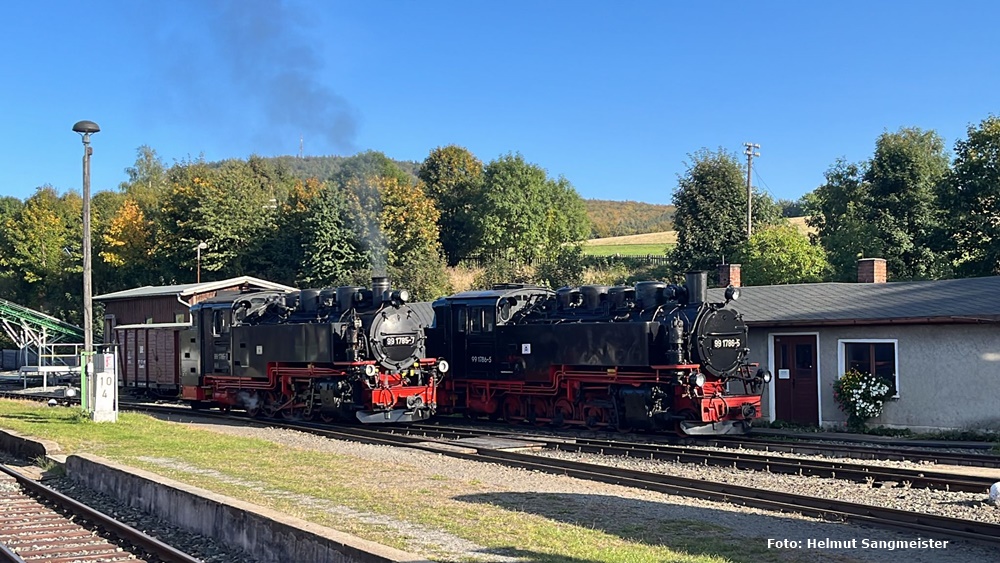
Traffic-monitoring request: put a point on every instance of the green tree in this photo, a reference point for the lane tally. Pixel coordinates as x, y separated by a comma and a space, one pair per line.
512, 213
904, 177
838, 211
972, 194
409, 220
710, 218
332, 254
780, 254
525, 215
454, 180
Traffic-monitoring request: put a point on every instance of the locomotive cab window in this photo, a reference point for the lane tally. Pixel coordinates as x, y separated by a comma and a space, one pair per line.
877, 357
476, 320
482, 320
220, 322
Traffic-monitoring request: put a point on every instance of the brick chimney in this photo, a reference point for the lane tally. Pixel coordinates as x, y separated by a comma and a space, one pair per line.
729, 274
871, 270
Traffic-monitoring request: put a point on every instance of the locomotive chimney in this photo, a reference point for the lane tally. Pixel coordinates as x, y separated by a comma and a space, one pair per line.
729, 275
697, 286
871, 270
380, 289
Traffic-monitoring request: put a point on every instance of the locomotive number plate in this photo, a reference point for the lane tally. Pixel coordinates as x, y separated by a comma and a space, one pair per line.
405, 340
727, 343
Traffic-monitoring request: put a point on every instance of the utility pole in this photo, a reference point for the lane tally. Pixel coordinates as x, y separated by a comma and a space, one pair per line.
750, 152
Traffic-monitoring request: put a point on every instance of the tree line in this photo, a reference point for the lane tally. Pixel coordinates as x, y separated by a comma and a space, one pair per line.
929, 216
338, 220
366, 215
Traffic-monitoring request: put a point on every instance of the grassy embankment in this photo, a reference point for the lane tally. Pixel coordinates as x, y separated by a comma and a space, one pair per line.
326, 489
652, 243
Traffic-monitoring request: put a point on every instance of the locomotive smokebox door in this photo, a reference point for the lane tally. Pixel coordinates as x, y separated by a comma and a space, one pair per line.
396, 338
721, 341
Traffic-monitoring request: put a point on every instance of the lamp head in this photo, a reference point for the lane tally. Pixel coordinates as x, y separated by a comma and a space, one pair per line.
86, 127
202, 245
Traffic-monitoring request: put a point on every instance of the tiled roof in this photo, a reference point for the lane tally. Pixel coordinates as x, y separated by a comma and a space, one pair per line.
190, 288
958, 300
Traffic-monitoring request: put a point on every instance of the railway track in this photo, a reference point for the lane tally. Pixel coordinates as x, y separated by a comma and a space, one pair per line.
449, 442
39, 524
873, 475
891, 452
937, 526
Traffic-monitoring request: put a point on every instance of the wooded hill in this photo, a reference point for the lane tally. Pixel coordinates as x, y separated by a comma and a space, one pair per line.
621, 218
608, 218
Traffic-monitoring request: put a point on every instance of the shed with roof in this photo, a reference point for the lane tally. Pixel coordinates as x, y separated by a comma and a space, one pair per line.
169, 303
936, 343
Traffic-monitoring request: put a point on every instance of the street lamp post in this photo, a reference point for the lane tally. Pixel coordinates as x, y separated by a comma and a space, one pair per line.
201, 246
85, 129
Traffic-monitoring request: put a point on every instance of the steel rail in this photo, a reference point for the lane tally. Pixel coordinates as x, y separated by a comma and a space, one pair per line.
120, 530
942, 526
873, 451
921, 478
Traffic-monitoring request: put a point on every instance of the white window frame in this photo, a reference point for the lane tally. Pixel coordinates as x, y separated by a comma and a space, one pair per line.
842, 355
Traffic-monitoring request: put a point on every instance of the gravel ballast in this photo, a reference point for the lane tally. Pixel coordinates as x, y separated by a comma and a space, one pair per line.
615, 509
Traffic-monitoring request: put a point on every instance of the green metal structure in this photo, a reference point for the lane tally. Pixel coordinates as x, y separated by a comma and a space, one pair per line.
30, 329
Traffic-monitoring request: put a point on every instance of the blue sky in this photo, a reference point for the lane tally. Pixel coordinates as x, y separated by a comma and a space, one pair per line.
611, 95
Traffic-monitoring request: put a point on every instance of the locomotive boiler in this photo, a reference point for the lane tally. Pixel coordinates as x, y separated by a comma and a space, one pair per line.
653, 356
334, 354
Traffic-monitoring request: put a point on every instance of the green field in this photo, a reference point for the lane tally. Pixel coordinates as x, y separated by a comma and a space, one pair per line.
626, 249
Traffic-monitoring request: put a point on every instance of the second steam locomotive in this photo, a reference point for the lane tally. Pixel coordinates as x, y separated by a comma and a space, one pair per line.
653, 357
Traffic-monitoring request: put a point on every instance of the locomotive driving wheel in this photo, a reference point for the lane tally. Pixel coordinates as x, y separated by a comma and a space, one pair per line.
513, 409
540, 412
563, 413
272, 404
595, 417
253, 405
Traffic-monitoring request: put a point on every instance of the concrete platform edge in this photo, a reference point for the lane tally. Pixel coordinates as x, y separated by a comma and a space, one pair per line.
271, 536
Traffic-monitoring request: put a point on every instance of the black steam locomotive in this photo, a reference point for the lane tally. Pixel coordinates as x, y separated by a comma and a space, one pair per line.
336, 354
653, 356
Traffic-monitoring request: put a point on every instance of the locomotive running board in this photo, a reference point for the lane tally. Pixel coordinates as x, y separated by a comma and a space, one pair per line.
392, 417
715, 428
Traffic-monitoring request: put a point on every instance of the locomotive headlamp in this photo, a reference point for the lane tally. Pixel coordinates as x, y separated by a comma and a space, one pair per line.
697, 379
400, 296
764, 375
371, 370
732, 293
443, 366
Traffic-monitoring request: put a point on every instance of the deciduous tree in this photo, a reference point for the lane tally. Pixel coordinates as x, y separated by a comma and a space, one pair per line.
904, 178
710, 219
973, 197
454, 180
780, 254
838, 213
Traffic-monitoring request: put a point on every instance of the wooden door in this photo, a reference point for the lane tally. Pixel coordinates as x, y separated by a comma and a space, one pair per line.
796, 388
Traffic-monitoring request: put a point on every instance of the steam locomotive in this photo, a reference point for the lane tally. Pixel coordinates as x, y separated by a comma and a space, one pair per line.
333, 354
653, 356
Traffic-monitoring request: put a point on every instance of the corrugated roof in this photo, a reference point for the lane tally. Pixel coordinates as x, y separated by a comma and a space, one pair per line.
190, 288
959, 300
